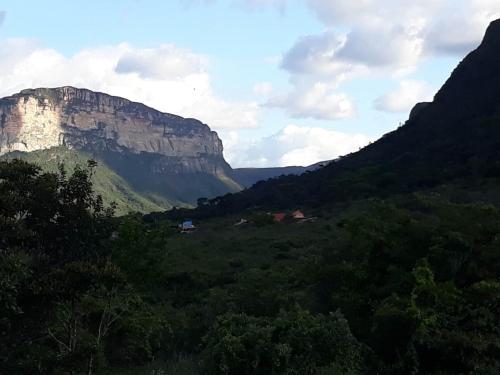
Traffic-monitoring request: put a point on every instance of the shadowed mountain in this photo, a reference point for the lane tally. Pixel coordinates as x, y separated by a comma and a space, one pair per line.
247, 177
453, 140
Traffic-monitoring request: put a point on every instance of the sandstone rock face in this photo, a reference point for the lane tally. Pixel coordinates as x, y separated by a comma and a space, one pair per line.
38, 119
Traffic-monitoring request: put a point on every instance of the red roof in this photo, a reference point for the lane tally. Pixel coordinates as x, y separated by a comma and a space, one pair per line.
279, 216
298, 214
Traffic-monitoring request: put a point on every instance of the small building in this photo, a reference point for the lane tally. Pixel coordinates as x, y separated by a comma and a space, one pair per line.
187, 226
279, 217
298, 215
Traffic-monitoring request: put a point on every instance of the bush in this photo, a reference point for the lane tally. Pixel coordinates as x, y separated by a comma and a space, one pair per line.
294, 342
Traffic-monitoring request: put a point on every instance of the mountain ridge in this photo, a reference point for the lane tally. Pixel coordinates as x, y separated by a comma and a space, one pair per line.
453, 139
247, 177
119, 121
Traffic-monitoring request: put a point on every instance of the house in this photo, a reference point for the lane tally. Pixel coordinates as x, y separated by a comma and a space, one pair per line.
187, 226
279, 217
298, 215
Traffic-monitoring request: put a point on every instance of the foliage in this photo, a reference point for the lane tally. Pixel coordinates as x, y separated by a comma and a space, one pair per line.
106, 182
61, 296
294, 342
407, 284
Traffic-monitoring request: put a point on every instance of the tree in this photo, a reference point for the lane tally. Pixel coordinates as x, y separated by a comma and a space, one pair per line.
92, 298
53, 265
295, 342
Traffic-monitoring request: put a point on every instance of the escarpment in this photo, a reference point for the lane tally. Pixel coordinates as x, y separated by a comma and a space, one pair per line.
37, 119
158, 153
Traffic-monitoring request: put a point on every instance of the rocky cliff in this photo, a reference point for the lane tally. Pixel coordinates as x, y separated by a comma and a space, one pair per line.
38, 119
173, 159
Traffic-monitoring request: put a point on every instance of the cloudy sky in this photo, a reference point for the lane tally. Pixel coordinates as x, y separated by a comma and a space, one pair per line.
283, 82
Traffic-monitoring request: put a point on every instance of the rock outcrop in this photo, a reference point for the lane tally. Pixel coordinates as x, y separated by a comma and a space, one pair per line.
167, 157
38, 119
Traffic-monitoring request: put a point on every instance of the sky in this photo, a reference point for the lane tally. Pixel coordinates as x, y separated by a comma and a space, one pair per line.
283, 82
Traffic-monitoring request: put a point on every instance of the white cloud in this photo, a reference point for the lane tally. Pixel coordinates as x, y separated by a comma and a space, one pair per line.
263, 89
293, 145
167, 78
316, 54
402, 47
332, 58
444, 26
377, 46
165, 62
405, 96
348, 12
458, 30
336, 58
318, 101
366, 38
14, 50
383, 38
441, 26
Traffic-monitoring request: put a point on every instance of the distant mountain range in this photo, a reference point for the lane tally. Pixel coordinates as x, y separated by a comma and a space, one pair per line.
149, 160
247, 177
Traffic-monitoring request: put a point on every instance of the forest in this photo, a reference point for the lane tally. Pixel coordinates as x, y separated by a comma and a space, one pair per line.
397, 282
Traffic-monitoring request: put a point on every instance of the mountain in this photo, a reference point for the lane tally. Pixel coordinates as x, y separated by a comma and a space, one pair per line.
455, 139
247, 177
165, 159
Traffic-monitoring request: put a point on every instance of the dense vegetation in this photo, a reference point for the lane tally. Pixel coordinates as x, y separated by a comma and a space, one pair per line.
135, 182
414, 158
404, 284
106, 182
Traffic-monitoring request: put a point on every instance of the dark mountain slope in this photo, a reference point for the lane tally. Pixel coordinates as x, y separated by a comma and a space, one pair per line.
247, 177
455, 138
457, 121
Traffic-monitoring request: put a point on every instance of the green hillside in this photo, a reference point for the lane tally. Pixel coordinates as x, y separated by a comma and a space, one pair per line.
107, 183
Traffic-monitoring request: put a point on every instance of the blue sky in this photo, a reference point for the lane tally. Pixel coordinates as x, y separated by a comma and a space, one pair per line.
282, 81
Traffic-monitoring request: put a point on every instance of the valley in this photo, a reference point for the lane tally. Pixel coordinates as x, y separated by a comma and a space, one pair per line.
128, 245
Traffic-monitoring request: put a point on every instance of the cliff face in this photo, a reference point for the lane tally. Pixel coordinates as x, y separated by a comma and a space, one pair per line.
165, 158
38, 119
